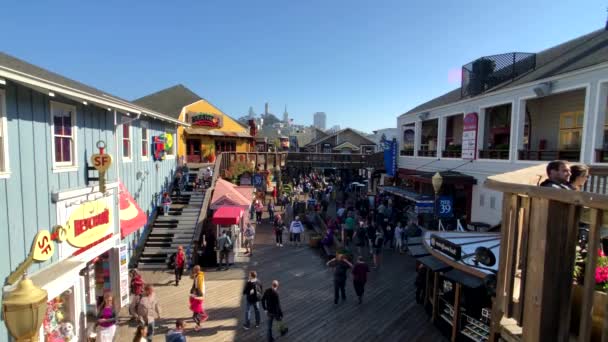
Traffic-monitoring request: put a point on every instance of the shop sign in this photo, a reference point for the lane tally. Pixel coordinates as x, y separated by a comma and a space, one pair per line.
390, 157
425, 207
445, 207
158, 143
469, 136
123, 274
446, 247
88, 223
258, 180
245, 179
206, 120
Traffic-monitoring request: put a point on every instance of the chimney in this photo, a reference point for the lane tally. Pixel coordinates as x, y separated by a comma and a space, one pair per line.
266, 108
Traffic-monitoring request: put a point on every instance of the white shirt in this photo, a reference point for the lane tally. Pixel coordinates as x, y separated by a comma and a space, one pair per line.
296, 227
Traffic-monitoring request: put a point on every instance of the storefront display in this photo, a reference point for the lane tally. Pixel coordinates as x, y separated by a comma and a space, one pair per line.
60, 318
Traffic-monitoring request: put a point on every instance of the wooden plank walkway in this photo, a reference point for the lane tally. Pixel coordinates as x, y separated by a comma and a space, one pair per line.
389, 311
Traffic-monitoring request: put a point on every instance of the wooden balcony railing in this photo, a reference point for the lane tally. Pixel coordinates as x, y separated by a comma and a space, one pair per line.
494, 154
451, 154
260, 160
406, 152
427, 153
547, 155
539, 233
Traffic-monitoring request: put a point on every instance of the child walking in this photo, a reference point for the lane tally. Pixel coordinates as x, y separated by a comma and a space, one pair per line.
166, 203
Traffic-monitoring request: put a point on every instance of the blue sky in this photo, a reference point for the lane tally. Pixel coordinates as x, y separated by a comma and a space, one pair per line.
361, 62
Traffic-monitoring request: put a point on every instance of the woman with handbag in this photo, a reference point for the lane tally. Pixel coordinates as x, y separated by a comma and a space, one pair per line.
197, 297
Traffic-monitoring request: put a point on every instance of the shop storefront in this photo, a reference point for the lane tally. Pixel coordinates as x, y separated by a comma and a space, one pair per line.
459, 281
211, 132
91, 262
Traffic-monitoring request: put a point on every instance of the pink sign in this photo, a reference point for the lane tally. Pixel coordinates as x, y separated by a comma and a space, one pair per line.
469, 136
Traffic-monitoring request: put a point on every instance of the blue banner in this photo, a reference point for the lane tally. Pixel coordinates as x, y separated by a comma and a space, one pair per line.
445, 207
390, 157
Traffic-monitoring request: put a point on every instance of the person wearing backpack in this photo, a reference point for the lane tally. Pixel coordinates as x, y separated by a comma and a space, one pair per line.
224, 245
148, 305
253, 292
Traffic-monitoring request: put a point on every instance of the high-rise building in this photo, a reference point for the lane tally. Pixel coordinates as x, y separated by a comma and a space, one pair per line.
319, 120
285, 116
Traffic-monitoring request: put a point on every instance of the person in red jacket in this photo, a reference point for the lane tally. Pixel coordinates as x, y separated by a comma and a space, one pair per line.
180, 260
137, 290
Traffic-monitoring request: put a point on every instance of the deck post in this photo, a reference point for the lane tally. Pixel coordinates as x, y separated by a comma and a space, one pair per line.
435, 296
456, 317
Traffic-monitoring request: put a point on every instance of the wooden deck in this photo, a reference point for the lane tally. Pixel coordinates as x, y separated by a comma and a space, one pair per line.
389, 311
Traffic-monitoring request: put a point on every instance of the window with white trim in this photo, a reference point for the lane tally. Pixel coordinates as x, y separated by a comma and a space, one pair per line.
144, 142
64, 134
126, 141
3, 141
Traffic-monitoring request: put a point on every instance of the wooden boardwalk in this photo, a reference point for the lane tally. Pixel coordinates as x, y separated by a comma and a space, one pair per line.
389, 311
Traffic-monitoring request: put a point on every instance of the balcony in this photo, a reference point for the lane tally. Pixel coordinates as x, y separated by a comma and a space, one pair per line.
407, 152
494, 154
427, 153
572, 155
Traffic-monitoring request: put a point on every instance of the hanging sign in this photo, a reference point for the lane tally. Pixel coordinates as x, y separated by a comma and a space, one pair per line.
168, 138
158, 143
390, 157
446, 247
469, 136
206, 120
88, 223
101, 162
445, 207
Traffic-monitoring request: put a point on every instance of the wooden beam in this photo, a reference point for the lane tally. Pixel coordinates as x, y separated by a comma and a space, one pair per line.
584, 334
456, 317
435, 295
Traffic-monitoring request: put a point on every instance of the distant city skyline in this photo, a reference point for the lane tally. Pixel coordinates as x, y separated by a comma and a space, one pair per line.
364, 75
320, 120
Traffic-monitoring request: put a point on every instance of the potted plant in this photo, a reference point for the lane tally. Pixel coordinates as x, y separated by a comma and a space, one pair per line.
211, 153
599, 296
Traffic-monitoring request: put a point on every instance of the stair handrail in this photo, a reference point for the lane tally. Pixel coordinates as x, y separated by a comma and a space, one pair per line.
202, 217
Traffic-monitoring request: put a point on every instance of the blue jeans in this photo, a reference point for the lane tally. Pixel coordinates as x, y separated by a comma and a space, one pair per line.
256, 309
270, 320
166, 209
150, 331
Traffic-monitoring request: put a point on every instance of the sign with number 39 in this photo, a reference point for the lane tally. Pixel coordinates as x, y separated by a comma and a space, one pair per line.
445, 207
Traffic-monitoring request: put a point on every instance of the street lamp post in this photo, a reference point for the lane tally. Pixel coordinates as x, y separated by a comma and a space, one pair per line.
24, 310
437, 181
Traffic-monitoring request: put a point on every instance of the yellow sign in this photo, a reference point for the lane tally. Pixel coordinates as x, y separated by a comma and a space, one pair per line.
101, 162
88, 223
43, 248
168, 141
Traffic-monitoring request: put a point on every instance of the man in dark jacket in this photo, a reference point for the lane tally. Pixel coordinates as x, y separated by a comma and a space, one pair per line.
558, 175
253, 293
341, 265
272, 306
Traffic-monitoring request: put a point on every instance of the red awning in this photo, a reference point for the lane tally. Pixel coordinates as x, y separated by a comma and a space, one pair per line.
227, 215
131, 216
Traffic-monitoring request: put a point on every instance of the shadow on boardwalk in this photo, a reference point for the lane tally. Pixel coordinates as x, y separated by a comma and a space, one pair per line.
389, 311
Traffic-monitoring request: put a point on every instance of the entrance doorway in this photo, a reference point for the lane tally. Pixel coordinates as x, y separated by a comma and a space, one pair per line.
194, 150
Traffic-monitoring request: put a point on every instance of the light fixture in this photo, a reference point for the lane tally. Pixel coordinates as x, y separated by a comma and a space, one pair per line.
51, 94
437, 181
109, 109
85, 103
543, 89
485, 256
2, 81
24, 310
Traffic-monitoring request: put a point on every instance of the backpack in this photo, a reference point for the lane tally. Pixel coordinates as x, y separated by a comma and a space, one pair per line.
142, 312
227, 245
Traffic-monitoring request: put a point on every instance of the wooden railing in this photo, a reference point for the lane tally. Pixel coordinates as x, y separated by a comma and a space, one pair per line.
494, 154
260, 160
540, 228
202, 217
548, 155
338, 160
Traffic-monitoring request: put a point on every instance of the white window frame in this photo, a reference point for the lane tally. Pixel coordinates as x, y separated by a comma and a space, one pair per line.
144, 128
122, 142
5, 170
64, 166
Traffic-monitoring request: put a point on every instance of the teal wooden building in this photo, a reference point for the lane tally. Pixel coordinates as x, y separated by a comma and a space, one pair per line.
49, 127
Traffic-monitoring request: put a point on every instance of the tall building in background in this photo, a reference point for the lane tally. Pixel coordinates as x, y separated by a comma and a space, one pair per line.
285, 116
319, 120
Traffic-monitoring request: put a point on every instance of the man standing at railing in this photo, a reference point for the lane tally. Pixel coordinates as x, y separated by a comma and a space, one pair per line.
558, 175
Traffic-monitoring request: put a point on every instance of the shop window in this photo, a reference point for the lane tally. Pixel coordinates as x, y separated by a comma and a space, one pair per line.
570, 130
64, 134
59, 323
225, 146
126, 141
482, 200
144, 142
3, 140
409, 137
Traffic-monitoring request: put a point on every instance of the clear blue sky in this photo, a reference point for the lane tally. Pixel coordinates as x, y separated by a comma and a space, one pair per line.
361, 62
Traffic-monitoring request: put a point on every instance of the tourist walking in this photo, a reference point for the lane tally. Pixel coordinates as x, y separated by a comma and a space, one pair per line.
270, 211
360, 238
197, 297
349, 228
377, 250
296, 229
224, 245
177, 183
148, 306
140, 333
272, 306
341, 266
106, 320
166, 203
279, 228
137, 290
259, 208
399, 238
180, 261
249, 234
253, 294
177, 334
360, 271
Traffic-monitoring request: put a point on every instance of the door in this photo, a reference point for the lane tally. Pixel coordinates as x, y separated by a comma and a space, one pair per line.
194, 150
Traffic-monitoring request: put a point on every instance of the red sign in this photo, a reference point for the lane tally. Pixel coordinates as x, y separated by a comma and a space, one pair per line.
206, 120
81, 226
469, 136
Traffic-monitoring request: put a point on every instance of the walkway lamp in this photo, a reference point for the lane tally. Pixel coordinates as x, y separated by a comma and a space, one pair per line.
24, 310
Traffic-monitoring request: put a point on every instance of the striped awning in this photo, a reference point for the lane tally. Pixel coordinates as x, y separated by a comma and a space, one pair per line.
214, 132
